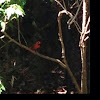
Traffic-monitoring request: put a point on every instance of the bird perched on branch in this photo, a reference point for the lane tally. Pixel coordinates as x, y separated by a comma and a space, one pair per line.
35, 46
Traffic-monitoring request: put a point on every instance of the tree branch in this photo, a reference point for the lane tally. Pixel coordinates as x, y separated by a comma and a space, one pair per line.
48, 58
63, 51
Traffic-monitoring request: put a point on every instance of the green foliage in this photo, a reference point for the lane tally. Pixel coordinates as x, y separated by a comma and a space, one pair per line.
3, 1
2, 88
19, 2
10, 9
51, 0
14, 9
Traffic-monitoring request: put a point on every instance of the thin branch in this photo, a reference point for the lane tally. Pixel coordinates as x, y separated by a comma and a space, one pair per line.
74, 17
21, 35
1, 38
70, 15
64, 4
84, 17
88, 32
77, 2
87, 24
77, 27
18, 31
60, 4
65, 9
5, 44
25, 47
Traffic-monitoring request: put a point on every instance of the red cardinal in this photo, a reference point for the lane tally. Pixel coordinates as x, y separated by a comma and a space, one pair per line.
36, 46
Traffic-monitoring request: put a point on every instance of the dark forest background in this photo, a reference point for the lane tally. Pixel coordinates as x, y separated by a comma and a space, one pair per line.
32, 73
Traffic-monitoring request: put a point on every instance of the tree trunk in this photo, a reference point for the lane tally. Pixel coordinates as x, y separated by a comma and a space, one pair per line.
84, 70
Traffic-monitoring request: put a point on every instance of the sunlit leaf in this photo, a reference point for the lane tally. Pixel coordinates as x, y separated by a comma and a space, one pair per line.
19, 10
3, 25
0, 81
2, 87
14, 9
1, 10
9, 11
0, 91
2, 1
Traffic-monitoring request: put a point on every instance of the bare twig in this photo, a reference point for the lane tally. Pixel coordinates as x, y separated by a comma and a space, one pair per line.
64, 4
60, 4
70, 15
77, 27
21, 35
87, 25
76, 2
18, 31
84, 17
74, 17
5, 44
88, 32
